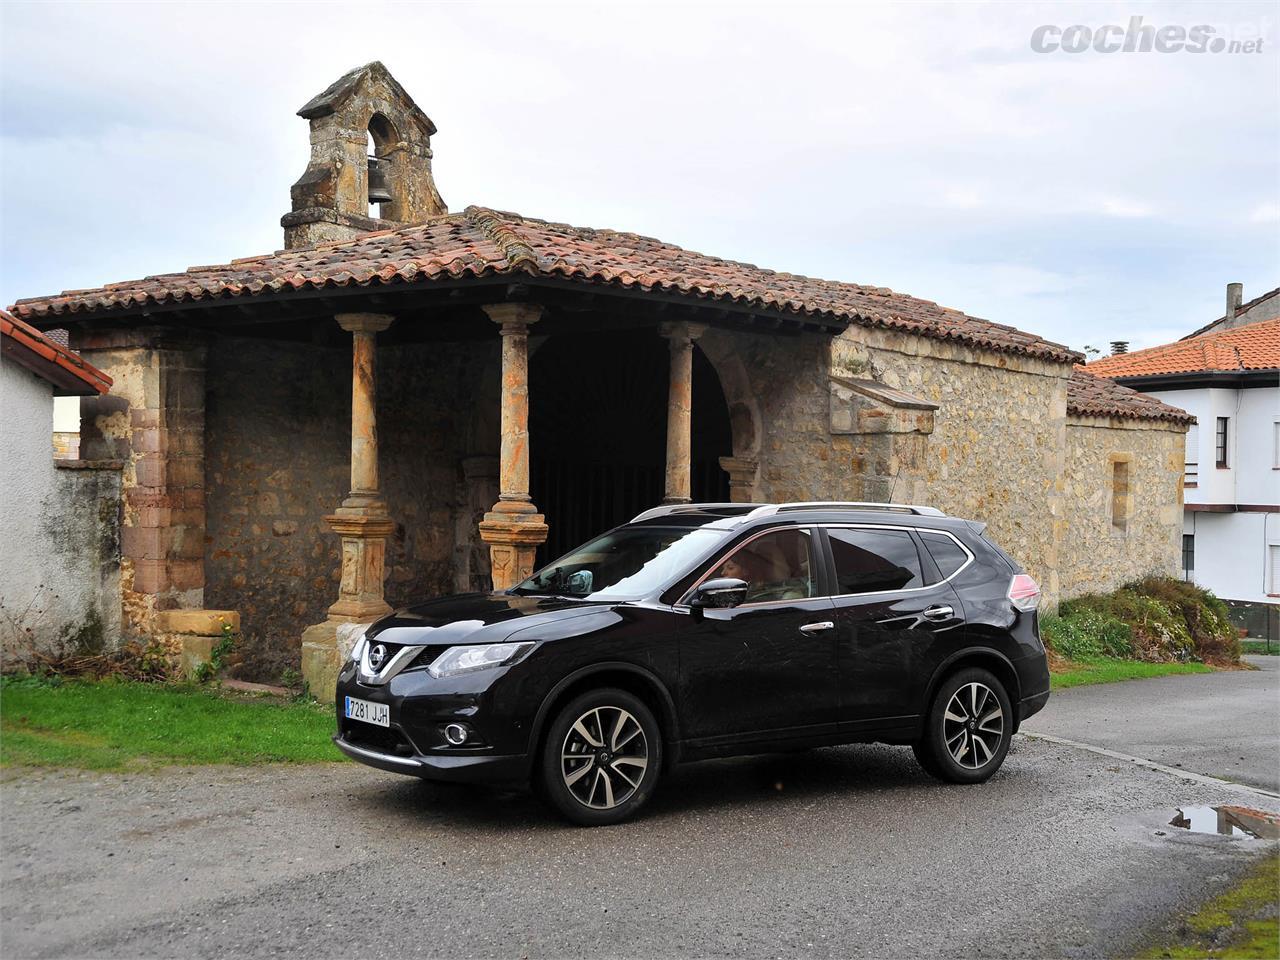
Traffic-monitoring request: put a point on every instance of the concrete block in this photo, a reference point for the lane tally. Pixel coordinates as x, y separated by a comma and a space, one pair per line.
195, 651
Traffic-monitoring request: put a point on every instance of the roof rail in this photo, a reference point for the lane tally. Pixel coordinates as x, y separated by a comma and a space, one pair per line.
772, 508
667, 509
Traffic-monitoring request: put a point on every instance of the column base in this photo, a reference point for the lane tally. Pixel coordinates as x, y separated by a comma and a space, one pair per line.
513, 539
325, 648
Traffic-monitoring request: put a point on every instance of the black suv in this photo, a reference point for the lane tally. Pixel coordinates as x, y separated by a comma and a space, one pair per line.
708, 630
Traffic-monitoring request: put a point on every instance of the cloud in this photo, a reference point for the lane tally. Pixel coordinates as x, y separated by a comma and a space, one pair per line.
923, 147
1265, 213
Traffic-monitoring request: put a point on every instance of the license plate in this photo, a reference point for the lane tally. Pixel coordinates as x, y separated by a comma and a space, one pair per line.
376, 713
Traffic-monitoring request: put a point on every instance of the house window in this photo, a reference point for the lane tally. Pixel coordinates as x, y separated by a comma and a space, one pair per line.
1275, 444
1119, 495
1220, 442
1188, 555
1191, 470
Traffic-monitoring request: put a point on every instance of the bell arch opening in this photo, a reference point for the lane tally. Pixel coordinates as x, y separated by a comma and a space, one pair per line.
597, 432
380, 137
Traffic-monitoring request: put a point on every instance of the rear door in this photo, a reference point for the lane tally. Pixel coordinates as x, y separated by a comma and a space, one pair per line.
892, 606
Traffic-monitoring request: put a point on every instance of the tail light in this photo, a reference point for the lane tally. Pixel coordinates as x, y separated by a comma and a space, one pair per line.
1024, 594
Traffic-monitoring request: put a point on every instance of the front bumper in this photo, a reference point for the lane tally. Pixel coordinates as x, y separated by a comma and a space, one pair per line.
452, 769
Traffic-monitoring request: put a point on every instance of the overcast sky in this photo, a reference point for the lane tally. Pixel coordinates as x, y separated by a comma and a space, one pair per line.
923, 147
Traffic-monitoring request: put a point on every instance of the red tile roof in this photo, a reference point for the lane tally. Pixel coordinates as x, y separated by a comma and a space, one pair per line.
1252, 347
480, 242
1090, 395
69, 373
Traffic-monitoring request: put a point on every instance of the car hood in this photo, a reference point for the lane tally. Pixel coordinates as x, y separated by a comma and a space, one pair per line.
473, 618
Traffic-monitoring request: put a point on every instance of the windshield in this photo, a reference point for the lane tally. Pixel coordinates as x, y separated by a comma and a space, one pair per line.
624, 564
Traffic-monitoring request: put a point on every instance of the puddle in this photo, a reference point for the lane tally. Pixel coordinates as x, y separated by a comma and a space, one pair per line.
1229, 821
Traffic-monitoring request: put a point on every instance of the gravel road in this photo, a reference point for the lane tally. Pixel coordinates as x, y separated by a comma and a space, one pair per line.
842, 852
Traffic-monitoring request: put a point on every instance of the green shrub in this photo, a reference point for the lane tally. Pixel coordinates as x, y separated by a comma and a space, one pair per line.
1157, 619
1087, 635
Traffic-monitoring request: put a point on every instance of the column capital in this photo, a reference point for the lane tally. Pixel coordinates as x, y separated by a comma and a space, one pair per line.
680, 331
364, 322
514, 318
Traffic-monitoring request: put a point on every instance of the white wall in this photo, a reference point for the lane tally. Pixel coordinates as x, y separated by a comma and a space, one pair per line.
58, 564
66, 414
1250, 476
1232, 553
1257, 479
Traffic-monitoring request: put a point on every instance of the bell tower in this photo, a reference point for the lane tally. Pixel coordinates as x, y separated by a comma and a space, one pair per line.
370, 145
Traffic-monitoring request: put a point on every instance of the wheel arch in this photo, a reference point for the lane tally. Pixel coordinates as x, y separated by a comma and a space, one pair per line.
631, 677
988, 659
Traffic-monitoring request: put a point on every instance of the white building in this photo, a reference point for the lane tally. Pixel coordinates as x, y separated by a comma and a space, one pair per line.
59, 520
1228, 376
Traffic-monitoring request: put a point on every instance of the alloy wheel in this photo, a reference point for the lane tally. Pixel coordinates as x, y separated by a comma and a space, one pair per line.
973, 725
604, 757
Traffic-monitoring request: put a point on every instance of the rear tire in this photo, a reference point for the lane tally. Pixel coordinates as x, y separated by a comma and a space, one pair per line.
602, 757
968, 728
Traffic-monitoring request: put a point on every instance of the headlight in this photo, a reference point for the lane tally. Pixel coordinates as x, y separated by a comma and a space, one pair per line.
458, 660
358, 650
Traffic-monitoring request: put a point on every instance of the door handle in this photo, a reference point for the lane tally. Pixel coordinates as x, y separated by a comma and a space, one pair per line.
817, 627
938, 614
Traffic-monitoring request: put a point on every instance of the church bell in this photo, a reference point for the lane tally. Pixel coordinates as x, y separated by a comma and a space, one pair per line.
378, 192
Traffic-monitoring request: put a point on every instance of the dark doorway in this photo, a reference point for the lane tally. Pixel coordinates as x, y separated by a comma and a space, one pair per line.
598, 432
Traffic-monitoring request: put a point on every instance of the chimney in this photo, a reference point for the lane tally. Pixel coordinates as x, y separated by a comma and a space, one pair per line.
1118, 347
1235, 297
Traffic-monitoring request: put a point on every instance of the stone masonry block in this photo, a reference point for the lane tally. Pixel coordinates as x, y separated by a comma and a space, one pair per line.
203, 623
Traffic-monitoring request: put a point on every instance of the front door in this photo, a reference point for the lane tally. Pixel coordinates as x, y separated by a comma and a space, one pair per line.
887, 620
766, 670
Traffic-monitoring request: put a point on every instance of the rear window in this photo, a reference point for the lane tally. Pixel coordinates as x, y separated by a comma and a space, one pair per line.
946, 553
870, 561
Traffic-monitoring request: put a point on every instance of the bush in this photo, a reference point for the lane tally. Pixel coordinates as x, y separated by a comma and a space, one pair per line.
1087, 635
1157, 619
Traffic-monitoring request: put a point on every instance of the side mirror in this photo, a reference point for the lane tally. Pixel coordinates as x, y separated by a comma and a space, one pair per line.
720, 592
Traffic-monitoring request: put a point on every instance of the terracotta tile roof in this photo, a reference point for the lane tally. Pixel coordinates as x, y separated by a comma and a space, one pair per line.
1090, 395
23, 344
1253, 347
480, 242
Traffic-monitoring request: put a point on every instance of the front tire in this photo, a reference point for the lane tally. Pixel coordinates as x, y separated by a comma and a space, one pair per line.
602, 757
968, 728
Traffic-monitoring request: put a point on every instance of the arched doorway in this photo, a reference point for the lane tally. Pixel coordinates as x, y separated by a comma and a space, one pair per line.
598, 428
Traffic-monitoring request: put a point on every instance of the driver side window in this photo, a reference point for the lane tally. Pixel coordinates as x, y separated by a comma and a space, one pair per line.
776, 566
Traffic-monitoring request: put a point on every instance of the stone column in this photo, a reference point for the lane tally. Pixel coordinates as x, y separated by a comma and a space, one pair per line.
513, 528
361, 521
680, 410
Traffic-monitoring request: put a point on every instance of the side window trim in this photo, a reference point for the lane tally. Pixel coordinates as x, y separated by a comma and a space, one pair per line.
920, 549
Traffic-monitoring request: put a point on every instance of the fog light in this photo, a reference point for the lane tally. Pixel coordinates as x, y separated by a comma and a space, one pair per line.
456, 734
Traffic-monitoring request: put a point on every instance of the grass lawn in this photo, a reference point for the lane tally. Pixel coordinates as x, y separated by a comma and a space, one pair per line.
1259, 648
110, 725
1069, 673
1242, 923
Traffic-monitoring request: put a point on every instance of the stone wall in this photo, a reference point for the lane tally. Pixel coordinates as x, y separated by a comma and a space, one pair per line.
60, 525
153, 422
278, 461
979, 435
1100, 553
